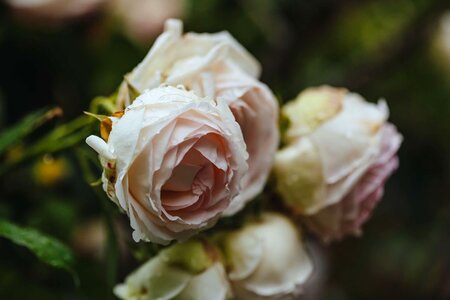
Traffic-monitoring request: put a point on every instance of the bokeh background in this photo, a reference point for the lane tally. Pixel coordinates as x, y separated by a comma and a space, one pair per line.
65, 53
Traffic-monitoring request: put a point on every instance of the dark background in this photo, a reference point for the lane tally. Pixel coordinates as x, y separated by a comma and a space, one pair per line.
380, 49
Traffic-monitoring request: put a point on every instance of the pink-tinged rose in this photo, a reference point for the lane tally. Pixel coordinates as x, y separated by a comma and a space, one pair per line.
216, 66
173, 162
51, 11
347, 216
340, 151
143, 20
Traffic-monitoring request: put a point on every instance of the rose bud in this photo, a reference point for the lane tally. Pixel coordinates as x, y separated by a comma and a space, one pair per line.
340, 151
266, 259
189, 270
173, 162
216, 66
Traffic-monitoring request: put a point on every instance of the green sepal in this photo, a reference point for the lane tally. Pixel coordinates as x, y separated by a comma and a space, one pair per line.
191, 256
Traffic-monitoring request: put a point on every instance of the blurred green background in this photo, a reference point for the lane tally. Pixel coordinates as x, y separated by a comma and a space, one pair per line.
398, 50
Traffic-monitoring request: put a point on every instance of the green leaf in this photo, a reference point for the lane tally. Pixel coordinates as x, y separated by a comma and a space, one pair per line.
14, 134
46, 248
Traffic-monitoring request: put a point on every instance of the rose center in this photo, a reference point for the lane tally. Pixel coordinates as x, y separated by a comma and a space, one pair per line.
192, 185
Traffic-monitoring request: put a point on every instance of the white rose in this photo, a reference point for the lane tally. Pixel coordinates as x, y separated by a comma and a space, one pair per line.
267, 259
184, 271
336, 143
217, 66
173, 162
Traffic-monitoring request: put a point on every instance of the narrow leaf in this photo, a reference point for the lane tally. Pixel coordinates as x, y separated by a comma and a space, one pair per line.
46, 248
24, 127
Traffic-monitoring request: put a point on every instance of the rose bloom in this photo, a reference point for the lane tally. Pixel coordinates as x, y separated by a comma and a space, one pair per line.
173, 162
267, 259
216, 66
143, 20
190, 270
49, 11
340, 151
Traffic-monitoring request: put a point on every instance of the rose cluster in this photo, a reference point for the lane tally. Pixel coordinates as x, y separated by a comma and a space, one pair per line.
194, 139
